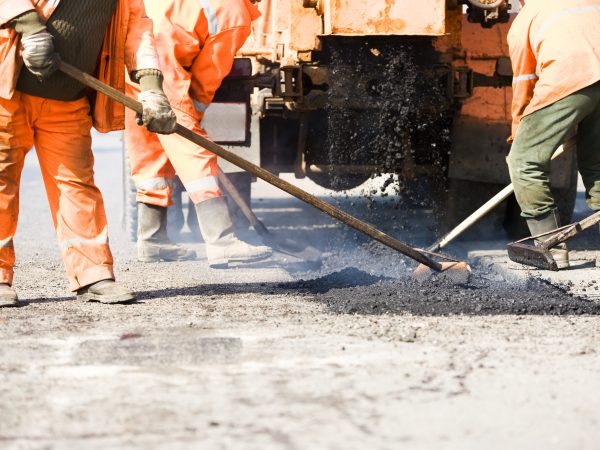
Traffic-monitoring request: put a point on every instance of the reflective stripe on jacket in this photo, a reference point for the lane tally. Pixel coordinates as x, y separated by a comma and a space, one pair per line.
197, 41
555, 51
128, 42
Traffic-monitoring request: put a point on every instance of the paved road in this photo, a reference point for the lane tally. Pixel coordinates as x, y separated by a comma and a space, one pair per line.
352, 355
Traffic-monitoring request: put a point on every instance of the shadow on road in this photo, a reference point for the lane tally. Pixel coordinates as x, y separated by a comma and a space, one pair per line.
352, 291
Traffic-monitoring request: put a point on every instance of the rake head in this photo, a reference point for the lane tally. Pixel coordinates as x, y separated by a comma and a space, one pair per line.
532, 255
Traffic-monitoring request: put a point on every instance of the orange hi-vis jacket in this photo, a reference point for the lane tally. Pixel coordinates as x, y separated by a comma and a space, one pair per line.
196, 41
128, 42
555, 51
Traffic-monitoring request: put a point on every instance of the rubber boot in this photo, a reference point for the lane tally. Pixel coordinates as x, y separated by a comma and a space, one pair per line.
222, 245
153, 242
106, 291
8, 296
544, 224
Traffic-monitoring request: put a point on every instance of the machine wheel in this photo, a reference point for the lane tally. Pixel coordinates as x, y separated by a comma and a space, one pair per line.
337, 182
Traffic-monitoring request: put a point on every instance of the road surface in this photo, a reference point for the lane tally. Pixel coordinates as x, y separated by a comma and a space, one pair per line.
351, 355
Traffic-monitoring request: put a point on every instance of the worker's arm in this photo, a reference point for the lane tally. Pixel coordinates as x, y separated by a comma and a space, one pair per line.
524, 66
140, 49
214, 63
141, 60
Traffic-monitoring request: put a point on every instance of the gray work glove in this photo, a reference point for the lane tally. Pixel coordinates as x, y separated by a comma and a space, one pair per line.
39, 55
158, 116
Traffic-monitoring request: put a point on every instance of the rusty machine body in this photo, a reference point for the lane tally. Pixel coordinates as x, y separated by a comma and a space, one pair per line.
357, 88
340, 90
345, 89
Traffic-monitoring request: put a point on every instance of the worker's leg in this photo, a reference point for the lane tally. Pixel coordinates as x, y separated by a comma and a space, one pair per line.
63, 145
538, 136
153, 175
16, 138
197, 168
588, 156
588, 159
151, 169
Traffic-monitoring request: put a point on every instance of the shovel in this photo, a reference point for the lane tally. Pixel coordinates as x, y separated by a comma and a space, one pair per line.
363, 227
480, 213
527, 252
281, 244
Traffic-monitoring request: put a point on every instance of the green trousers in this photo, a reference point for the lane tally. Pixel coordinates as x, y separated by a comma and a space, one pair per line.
540, 134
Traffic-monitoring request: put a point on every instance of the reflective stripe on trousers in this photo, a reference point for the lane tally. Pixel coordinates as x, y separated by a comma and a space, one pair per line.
154, 183
202, 189
101, 239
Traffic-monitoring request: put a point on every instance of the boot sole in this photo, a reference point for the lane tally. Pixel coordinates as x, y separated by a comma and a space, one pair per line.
158, 258
152, 259
224, 263
11, 303
115, 299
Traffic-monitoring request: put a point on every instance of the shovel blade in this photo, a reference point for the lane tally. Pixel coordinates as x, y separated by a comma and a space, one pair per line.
289, 247
457, 273
531, 255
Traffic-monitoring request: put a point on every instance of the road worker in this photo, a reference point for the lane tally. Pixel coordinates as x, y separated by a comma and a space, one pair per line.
45, 108
196, 42
556, 88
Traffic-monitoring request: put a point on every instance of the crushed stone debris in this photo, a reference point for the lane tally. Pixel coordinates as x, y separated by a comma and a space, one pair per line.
352, 291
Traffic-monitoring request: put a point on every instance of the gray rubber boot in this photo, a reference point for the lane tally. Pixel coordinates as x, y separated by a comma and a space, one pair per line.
8, 296
106, 291
222, 245
153, 242
543, 224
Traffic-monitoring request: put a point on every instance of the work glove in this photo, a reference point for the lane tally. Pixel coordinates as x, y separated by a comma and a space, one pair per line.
39, 55
158, 115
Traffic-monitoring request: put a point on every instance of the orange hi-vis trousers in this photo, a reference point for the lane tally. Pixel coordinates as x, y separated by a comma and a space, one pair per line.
60, 132
155, 159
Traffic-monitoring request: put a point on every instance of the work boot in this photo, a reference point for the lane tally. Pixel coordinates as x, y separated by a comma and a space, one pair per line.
106, 291
222, 245
544, 224
8, 296
153, 242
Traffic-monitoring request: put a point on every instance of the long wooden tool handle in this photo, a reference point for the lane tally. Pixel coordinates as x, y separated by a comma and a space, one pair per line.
232, 191
572, 230
259, 172
480, 213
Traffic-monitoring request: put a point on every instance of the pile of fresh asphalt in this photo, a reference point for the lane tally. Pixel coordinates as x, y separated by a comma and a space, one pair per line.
352, 291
